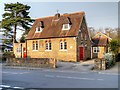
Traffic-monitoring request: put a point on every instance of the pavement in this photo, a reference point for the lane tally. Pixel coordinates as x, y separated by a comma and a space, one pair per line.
85, 66
76, 66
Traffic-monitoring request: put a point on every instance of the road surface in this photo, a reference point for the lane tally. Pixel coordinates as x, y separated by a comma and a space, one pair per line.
51, 78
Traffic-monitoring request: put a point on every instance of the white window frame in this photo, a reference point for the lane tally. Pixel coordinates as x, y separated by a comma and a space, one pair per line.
37, 29
48, 45
18, 50
64, 45
36, 45
61, 45
34, 49
68, 27
33, 45
62, 48
96, 49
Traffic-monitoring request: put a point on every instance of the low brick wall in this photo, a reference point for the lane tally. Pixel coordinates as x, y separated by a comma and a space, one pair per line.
32, 62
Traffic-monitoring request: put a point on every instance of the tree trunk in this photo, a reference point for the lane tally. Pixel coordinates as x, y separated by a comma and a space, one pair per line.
14, 35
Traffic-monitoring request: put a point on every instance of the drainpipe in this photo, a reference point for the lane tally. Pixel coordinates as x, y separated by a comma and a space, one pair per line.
91, 51
21, 50
26, 48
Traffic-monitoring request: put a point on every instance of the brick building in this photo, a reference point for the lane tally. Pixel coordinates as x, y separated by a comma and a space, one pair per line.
64, 37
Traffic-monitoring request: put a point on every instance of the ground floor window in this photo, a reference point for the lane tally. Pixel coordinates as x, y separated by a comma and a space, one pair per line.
96, 49
48, 45
18, 50
35, 45
63, 45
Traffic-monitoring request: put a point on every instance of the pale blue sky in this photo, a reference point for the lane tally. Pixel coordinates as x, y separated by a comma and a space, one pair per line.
98, 14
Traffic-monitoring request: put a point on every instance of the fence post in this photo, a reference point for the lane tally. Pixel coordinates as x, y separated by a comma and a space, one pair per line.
54, 66
103, 64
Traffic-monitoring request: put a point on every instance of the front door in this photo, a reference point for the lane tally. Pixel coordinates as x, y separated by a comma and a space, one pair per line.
81, 53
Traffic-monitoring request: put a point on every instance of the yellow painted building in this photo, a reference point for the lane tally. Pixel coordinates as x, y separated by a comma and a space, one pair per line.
100, 45
19, 49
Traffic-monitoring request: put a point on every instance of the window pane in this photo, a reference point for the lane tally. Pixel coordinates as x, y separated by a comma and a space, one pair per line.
33, 46
17, 50
49, 45
38, 29
94, 49
65, 45
46, 46
98, 49
61, 45
66, 26
36, 45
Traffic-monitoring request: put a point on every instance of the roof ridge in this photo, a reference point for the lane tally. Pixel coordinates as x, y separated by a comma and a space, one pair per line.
81, 12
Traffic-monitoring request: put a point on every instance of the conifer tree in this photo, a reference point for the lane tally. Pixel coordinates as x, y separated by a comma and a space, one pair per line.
16, 15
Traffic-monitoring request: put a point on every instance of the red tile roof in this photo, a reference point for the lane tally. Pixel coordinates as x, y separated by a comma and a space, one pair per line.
100, 40
53, 26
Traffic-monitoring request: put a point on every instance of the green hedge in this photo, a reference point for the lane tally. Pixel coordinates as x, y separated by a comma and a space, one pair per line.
110, 60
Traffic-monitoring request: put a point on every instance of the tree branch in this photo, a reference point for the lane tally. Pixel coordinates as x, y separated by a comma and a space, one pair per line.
21, 29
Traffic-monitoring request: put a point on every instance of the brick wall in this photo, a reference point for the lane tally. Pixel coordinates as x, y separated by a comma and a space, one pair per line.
65, 55
84, 41
32, 62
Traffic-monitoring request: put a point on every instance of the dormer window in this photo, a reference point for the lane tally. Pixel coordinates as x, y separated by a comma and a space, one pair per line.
38, 29
66, 27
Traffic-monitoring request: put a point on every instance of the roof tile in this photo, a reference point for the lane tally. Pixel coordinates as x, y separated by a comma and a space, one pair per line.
53, 26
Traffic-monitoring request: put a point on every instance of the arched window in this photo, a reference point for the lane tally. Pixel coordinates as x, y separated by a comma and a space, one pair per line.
33, 45
48, 45
63, 45
36, 45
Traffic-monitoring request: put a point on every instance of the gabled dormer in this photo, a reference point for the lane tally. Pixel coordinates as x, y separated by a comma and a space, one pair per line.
67, 24
66, 27
39, 27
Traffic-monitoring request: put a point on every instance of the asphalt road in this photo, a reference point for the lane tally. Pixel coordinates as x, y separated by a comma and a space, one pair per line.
49, 78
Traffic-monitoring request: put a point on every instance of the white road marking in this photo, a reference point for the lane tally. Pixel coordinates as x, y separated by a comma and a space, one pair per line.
68, 77
66, 71
6, 86
108, 73
10, 72
49, 76
15, 73
18, 87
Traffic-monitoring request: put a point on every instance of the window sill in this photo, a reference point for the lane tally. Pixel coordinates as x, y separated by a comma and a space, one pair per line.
34, 50
48, 50
18, 52
63, 50
95, 52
